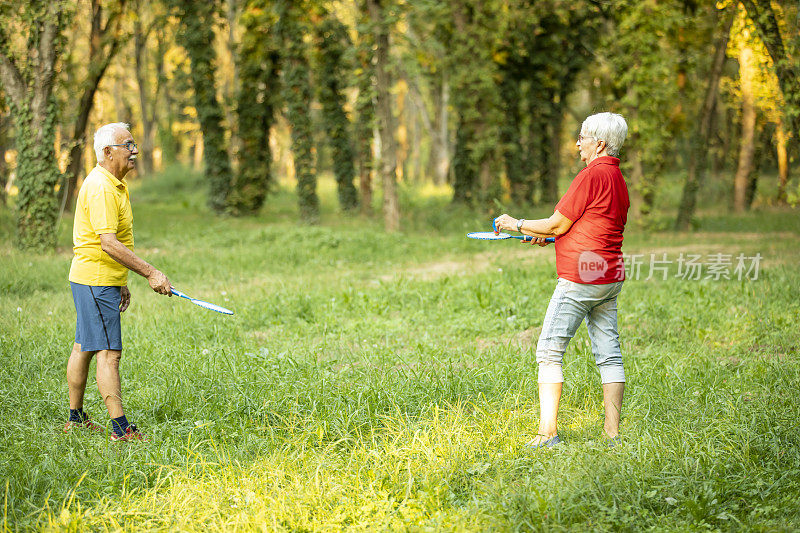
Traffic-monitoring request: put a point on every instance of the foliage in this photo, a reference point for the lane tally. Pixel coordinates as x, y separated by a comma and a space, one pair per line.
259, 84
332, 43
373, 381
196, 33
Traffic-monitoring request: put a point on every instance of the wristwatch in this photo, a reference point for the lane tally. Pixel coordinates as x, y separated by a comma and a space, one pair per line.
520, 222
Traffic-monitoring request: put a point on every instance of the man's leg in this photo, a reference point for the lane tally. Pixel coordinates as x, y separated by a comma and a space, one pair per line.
108, 381
612, 403
77, 372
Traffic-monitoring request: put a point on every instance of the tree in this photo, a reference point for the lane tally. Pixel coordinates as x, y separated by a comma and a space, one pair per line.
143, 29
258, 68
473, 27
332, 43
196, 35
104, 40
27, 71
3, 147
747, 139
365, 111
786, 64
378, 12
297, 95
696, 168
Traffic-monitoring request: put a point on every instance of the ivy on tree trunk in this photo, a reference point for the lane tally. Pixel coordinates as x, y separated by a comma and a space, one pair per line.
196, 35
297, 94
332, 42
29, 90
259, 80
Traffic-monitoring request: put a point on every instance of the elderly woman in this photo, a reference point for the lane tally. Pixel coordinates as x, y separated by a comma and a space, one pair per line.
587, 224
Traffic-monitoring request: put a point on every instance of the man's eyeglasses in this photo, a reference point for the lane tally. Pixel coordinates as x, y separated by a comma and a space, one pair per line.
582, 137
129, 146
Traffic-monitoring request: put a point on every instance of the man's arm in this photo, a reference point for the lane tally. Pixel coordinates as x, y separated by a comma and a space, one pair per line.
122, 255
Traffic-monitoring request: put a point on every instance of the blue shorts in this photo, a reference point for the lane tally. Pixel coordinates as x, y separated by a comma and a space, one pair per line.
98, 326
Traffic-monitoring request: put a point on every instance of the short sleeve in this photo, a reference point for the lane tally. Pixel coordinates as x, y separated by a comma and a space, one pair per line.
103, 212
575, 201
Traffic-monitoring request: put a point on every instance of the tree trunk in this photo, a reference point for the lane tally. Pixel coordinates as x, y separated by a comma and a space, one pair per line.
511, 137
781, 141
442, 136
30, 95
258, 62
297, 93
104, 42
139, 53
391, 208
169, 144
3, 166
746, 146
332, 41
550, 190
365, 117
696, 168
196, 36
465, 175
636, 179
762, 14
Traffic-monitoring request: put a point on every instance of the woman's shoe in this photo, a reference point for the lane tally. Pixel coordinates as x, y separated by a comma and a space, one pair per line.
549, 443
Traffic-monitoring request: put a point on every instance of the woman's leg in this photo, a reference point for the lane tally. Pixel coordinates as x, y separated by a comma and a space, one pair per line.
549, 398
564, 316
612, 404
603, 332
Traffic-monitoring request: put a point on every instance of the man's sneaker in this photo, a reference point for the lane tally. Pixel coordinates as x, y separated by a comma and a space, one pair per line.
131, 433
86, 424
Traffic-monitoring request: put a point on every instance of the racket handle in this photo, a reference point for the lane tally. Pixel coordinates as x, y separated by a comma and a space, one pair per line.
528, 238
176, 292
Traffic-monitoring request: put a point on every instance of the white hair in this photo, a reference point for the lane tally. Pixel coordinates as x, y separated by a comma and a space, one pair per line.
104, 136
608, 127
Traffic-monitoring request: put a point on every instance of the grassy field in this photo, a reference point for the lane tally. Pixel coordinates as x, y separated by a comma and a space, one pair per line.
371, 381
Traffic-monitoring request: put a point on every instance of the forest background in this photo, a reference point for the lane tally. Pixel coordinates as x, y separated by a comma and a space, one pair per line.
482, 98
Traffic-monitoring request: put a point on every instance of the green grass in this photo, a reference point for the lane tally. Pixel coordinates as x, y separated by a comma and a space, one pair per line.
372, 381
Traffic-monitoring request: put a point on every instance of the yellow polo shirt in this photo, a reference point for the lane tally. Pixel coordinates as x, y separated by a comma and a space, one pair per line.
103, 206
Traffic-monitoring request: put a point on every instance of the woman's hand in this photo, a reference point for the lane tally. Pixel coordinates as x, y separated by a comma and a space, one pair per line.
541, 241
505, 222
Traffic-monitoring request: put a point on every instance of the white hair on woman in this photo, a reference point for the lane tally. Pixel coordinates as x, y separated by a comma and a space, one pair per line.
608, 127
104, 136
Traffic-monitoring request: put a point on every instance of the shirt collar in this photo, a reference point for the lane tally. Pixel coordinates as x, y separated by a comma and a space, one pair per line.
604, 160
117, 183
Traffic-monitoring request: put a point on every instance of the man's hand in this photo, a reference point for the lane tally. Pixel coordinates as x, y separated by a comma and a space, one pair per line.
506, 222
159, 283
125, 298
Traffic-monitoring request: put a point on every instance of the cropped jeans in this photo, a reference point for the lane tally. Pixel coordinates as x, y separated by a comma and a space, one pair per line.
570, 304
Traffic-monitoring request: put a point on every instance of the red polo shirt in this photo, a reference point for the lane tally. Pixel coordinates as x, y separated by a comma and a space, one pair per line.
597, 204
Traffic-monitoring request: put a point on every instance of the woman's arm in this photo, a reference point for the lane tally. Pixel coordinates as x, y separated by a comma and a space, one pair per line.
554, 226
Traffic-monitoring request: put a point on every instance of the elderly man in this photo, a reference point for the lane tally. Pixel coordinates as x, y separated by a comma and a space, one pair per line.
103, 245
587, 223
